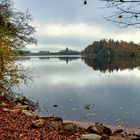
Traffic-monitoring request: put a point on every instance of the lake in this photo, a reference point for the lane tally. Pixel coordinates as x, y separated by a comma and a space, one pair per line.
74, 88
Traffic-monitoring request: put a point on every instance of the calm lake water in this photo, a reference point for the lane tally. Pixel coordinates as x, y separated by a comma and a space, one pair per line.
107, 91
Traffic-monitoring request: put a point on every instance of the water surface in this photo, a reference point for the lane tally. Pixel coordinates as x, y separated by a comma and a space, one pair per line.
64, 86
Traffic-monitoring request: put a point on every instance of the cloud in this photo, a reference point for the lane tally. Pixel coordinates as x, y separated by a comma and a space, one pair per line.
63, 23
61, 30
84, 31
77, 36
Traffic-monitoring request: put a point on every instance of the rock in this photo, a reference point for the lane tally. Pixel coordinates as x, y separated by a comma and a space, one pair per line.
15, 110
22, 107
55, 124
118, 131
28, 113
37, 123
3, 104
68, 128
21, 99
6, 110
99, 129
118, 138
90, 137
25, 102
88, 106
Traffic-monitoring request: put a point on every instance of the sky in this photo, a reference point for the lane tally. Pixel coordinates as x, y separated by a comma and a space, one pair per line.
69, 23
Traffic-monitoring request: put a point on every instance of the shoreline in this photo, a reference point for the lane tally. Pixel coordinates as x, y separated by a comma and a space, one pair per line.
86, 124
19, 121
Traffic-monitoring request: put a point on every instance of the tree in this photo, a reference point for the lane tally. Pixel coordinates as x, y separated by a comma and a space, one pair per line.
15, 33
126, 12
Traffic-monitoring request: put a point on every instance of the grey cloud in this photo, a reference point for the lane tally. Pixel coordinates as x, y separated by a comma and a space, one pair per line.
69, 12
64, 11
70, 41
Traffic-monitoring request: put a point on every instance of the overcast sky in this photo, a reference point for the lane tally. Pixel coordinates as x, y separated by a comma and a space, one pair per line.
67, 23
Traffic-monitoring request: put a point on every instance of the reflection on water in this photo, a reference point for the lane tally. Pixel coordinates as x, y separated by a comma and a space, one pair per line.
106, 64
63, 57
108, 92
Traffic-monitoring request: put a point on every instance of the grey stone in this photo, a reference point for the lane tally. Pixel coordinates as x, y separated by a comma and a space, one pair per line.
90, 137
21, 99
118, 131
68, 128
99, 129
28, 113
55, 124
37, 123
22, 107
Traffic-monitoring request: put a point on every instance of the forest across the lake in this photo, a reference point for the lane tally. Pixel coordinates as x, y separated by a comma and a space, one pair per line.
111, 48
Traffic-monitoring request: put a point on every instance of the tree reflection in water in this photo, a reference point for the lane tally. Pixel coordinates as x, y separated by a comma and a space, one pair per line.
107, 64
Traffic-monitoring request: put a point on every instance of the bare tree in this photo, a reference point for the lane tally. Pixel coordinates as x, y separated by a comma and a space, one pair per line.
126, 12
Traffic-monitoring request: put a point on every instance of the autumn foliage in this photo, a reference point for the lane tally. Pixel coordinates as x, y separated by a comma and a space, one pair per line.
15, 33
111, 48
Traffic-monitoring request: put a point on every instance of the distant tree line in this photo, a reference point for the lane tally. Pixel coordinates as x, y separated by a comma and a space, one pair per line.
61, 52
111, 48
